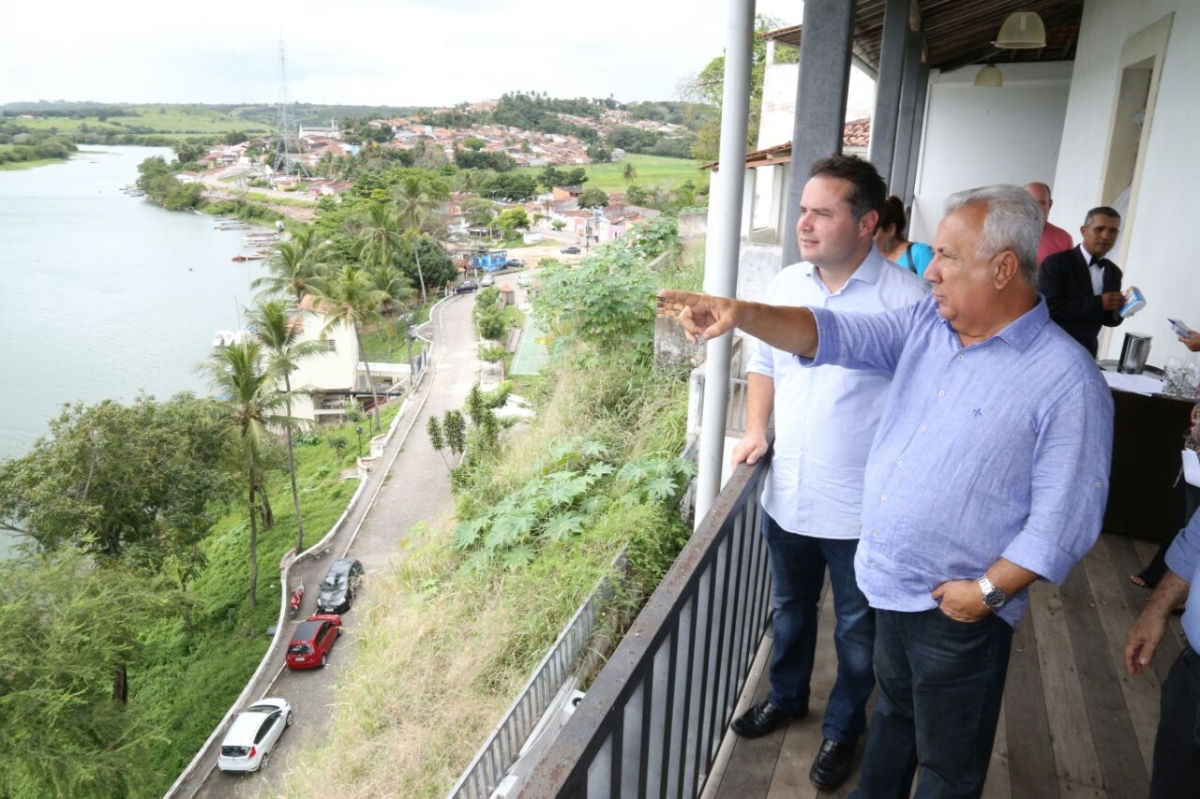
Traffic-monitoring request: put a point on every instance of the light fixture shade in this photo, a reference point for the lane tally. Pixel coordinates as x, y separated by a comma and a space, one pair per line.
1023, 30
990, 76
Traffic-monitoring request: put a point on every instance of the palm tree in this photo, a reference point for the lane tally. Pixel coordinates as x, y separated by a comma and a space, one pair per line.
248, 399
414, 210
280, 335
379, 235
292, 265
379, 240
350, 296
629, 173
415, 207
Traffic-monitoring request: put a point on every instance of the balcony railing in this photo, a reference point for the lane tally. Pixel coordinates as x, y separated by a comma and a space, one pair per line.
652, 722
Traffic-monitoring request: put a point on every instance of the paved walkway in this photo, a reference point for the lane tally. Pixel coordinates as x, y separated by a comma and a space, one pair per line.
531, 354
411, 484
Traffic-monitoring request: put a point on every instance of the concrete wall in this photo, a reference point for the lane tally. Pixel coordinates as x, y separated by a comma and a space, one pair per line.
975, 136
778, 105
1155, 250
757, 266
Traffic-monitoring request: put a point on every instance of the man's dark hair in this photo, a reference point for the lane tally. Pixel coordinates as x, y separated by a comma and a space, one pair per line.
1100, 210
867, 189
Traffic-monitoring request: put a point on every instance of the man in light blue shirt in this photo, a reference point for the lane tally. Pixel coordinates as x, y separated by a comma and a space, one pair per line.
1176, 770
823, 431
989, 470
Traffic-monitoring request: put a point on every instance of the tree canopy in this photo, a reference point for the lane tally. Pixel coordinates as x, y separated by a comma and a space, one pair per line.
708, 88
61, 732
123, 481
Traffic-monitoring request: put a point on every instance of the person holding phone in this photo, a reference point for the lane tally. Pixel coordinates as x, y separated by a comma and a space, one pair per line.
1191, 341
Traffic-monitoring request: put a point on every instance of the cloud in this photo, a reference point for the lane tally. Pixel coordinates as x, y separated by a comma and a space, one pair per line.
411, 52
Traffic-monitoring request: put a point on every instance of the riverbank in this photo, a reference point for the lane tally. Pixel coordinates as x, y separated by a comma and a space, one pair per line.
14, 166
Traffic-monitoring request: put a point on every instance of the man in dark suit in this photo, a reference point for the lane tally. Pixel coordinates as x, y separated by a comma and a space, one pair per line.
1083, 287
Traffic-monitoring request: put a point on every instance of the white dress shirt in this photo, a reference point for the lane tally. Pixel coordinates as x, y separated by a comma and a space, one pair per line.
1095, 271
825, 418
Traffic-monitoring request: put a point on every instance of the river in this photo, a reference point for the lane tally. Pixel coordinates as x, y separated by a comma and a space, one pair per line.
105, 295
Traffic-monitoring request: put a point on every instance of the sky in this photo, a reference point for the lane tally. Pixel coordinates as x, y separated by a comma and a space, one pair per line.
362, 52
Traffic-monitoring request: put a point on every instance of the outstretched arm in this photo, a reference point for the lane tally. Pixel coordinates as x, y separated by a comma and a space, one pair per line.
783, 327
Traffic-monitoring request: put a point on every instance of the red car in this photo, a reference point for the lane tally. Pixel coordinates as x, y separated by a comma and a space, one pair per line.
312, 640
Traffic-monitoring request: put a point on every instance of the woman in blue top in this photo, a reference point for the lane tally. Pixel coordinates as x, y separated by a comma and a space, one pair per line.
889, 237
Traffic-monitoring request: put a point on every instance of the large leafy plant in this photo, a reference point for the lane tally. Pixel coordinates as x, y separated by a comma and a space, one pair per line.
572, 483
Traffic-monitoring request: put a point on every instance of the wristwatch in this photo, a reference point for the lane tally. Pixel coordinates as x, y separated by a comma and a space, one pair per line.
993, 597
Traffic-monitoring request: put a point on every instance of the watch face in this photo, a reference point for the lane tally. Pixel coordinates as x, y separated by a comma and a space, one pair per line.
994, 598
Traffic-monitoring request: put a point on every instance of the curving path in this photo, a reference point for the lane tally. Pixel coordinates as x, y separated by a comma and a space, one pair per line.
415, 488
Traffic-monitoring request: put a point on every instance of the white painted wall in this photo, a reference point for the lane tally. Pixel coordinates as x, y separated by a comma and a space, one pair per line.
1156, 251
976, 136
778, 118
327, 370
777, 123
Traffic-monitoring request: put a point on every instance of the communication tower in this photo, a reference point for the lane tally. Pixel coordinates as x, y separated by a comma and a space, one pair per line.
287, 137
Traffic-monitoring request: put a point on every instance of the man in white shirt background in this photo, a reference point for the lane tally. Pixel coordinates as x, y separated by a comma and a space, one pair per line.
824, 424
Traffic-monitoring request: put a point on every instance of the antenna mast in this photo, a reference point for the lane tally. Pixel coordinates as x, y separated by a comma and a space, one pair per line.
287, 143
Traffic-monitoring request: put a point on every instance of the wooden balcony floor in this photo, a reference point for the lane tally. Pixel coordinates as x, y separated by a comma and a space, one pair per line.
1074, 723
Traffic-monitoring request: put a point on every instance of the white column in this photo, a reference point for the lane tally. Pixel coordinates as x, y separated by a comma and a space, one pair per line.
721, 247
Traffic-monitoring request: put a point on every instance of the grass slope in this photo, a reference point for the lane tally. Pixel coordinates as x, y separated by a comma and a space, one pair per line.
446, 643
651, 170
174, 120
198, 662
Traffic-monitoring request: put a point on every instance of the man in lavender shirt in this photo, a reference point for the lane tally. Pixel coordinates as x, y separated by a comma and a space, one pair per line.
989, 470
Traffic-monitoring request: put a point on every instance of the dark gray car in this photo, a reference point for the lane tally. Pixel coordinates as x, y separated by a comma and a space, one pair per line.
339, 586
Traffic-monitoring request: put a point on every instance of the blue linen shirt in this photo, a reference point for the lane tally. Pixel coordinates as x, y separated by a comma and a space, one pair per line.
825, 419
1183, 558
999, 449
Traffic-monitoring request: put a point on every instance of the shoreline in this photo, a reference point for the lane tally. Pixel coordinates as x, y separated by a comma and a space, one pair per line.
16, 166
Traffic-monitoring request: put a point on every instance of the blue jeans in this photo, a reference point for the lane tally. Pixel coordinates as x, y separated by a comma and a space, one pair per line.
941, 683
798, 572
1177, 745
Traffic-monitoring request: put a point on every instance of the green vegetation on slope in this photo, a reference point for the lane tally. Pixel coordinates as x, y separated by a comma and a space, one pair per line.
650, 170
450, 637
159, 616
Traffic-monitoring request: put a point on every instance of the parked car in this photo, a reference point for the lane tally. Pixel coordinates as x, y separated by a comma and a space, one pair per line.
313, 639
515, 263
467, 286
524, 281
339, 586
253, 734
572, 250
488, 280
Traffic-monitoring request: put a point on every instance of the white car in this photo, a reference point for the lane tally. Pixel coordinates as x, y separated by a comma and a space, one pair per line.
524, 281
253, 734
488, 280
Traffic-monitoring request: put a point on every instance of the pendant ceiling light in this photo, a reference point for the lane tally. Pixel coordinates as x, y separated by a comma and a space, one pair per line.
990, 76
1023, 30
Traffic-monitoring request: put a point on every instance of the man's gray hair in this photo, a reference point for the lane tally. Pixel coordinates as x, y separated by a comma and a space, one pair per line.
1013, 221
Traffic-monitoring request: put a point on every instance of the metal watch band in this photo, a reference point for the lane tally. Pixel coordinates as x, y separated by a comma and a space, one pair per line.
993, 597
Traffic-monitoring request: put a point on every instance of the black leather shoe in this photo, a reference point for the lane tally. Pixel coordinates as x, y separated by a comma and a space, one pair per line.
832, 765
764, 718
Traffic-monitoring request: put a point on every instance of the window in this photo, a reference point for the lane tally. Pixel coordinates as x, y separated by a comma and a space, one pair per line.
328, 345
